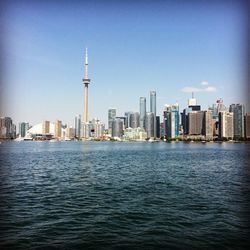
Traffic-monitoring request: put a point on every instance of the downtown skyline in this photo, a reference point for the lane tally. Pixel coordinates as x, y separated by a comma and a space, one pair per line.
189, 50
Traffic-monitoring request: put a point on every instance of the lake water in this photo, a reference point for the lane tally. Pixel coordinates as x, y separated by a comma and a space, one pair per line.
113, 195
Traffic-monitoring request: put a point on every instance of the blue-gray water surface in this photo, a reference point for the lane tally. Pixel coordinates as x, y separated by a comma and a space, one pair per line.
113, 195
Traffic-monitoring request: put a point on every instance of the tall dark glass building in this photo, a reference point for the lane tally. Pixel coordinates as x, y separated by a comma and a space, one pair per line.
142, 112
153, 108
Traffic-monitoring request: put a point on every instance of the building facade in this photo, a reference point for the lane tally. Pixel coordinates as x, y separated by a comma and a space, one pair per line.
247, 126
150, 124
226, 125
23, 129
134, 121
238, 113
143, 112
117, 128
171, 121
111, 117
58, 129
153, 109
196, 123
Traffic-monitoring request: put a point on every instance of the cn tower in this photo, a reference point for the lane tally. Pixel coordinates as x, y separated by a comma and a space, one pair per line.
86, 82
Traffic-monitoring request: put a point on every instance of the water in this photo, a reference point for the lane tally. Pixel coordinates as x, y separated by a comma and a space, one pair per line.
112, 195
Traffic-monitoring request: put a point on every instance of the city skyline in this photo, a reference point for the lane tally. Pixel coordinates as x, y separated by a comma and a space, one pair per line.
172, 54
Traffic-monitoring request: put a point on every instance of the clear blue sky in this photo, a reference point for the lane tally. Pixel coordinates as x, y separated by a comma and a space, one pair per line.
172, 47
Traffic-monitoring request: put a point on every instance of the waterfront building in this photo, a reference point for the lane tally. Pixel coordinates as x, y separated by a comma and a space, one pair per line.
78, 127
192, 104
208, 123
58, 129
7, 128
117, 128
127, 118
97, 129
135, 134
247, 126
23, 128
124, 119
226, 125
111, 117
69, 133
153, 109
171, 121
85, 130
184, 120
134, 120
46, 127
150, 124
142, 112
158, 127
217, 108
196, 123
239, 113
43, 131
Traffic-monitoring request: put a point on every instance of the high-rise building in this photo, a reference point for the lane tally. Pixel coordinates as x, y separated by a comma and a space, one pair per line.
117, 128
127, 118
7, 128
247, 126
78, 126
124, 119
85, 130
208, 124
134, 120
153, 108
226, 125
46, 127
171, 121
192, 104
69, 133
97, 128
23, 128
196, 123
150, 124
58, 129
111, 117
239, 112
142, 112
184, 120
158, 127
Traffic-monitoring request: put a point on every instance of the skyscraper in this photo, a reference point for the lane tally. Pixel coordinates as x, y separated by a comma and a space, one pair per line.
153, 108
196, 123
86, 82
150, 124
171, 121
58, 129
247, 126
111, 117
142, 112
23, 128
239, 112
208, 124
46, 127
78, 126
134, 120
226, 125
7, 128
117, 128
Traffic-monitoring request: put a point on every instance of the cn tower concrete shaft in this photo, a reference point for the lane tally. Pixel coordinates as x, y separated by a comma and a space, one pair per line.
86, 82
